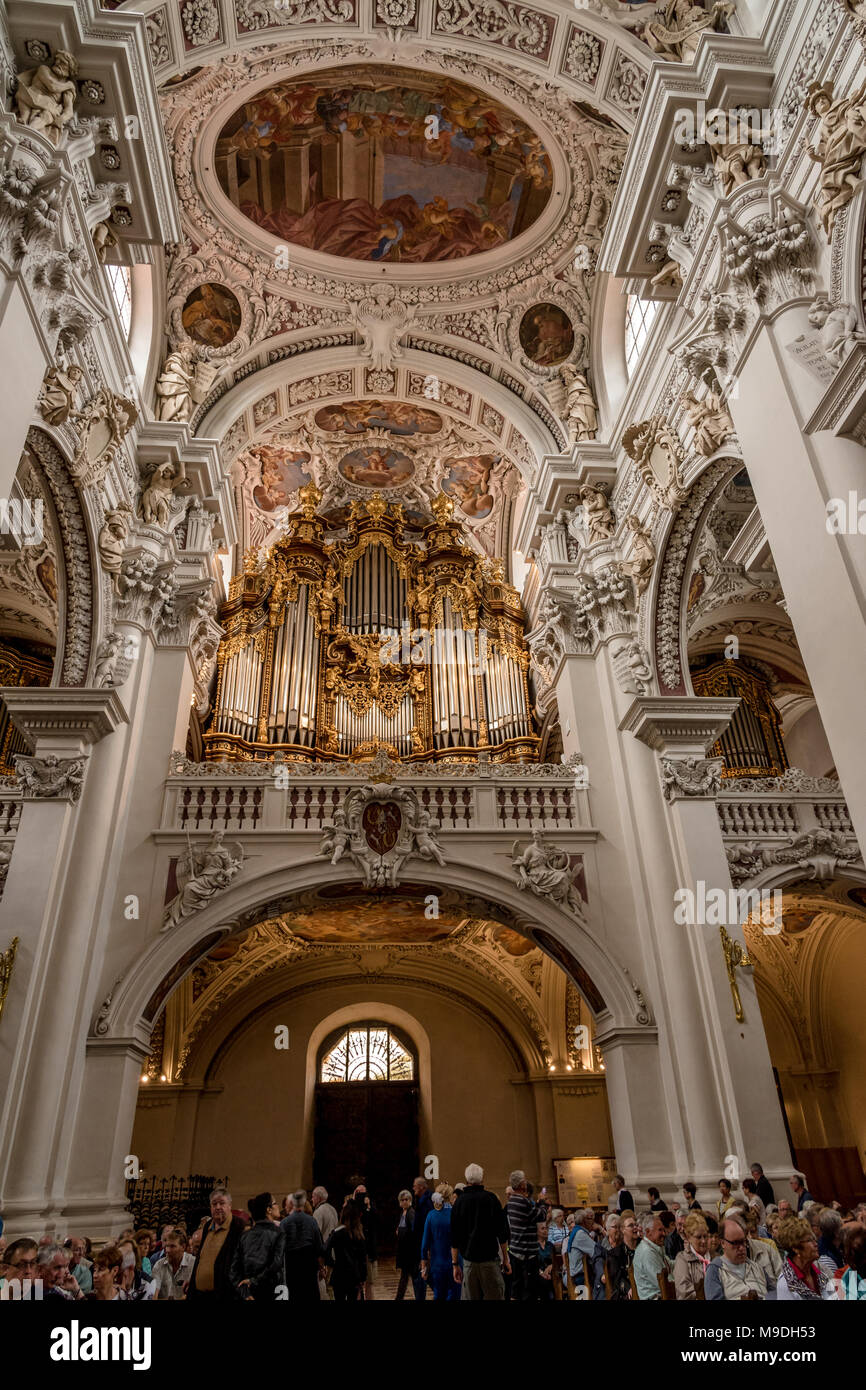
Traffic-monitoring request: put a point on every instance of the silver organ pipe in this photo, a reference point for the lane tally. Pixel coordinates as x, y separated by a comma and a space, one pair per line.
471, 680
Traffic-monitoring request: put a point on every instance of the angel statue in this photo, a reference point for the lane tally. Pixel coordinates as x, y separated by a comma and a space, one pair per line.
336, 837
201, 873
425, 844
546, 872
580, 410
643, 555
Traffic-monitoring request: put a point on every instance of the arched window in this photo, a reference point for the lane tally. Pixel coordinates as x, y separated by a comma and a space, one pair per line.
366, 1052
639, 317
120, 280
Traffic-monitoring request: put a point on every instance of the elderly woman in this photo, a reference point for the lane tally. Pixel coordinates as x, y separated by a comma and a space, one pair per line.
612, 1232
830, 1257
435, 1248
801, 1277
690, 1265
408, 1249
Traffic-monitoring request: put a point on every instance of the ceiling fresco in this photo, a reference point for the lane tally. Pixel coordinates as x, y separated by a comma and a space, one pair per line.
356, 447
393, 166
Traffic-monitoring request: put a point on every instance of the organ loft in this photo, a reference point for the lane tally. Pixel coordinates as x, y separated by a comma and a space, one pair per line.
372, 632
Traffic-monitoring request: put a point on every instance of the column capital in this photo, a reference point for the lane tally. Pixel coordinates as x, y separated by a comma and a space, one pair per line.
678, 725
65, 720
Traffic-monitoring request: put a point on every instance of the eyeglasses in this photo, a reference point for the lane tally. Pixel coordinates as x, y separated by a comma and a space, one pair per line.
736, 1244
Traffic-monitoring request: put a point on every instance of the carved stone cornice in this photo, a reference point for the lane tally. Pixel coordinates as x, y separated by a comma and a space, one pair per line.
843, 406
678, 726
63, 720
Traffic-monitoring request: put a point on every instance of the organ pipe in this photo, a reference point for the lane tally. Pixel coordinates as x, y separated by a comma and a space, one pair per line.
305, 624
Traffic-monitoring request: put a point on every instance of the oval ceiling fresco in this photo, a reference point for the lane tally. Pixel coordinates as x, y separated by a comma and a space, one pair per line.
390, 166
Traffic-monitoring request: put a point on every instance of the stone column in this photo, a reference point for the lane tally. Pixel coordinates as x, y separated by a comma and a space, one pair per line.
734, 1057
51, 900
823, 575
700, 1088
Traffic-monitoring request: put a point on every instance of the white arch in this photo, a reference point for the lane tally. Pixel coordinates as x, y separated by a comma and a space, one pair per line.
249, 895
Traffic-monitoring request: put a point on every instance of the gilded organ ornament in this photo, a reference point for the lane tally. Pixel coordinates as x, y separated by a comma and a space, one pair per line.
365, 632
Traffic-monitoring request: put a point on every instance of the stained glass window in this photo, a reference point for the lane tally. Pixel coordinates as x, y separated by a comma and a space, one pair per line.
367, 1052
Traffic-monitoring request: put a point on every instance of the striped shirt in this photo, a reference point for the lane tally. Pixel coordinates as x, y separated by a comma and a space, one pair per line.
523, 1219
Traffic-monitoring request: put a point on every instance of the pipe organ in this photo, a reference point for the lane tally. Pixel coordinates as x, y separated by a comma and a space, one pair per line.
350, 636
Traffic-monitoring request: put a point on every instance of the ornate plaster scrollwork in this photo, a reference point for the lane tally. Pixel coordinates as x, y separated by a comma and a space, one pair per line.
51, 776
817, 852
201, 874
378, 828
45, 96
856, 10
548, 872
691, 776
102, 426
659, 457
381, 318
771, 260
633, 669
839, 147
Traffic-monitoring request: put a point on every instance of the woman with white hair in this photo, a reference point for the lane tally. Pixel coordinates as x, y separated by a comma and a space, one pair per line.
436, 1248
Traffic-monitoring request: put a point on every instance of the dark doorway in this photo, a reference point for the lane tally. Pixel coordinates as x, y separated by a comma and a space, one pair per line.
367, 1127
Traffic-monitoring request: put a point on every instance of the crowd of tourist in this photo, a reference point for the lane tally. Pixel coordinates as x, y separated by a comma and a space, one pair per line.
463, 1242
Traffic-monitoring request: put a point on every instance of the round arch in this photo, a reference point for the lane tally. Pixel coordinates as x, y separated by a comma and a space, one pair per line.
140, 991
80, 595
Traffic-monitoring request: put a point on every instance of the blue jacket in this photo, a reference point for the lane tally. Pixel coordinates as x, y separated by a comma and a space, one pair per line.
436, 1238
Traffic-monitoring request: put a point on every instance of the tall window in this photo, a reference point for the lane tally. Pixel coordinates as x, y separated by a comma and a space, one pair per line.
120, 280
366, 1052
639, 317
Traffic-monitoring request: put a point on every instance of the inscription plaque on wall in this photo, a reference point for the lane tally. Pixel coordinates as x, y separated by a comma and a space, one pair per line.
584, 1182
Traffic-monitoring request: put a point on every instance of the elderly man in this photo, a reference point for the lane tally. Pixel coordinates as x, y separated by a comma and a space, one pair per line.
79, 1266
650, 1259
210, 1276
479, 1232
324, 1215
303, 1251
52, 1267
523, 1218
582, 1242
734, 1274
800, 1191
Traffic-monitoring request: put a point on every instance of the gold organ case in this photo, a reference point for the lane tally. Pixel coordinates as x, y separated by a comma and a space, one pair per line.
347, 637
